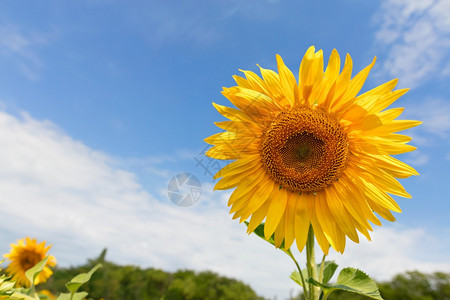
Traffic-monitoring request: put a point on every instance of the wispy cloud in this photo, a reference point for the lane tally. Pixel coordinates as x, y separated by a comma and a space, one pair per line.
417, 158
163, 23
394, 251
20, 47
434, 113
416, 35
57, 189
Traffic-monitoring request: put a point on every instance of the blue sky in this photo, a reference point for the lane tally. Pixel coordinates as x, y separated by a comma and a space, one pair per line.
102, 102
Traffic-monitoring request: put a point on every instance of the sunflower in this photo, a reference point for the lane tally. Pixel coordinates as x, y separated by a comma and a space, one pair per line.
26, 254
312, 153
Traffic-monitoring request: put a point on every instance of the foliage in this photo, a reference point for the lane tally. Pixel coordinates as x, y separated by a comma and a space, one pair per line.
131, 282
412, 285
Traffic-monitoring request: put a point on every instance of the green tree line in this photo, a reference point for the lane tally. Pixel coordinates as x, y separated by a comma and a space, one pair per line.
114, 282
412, 285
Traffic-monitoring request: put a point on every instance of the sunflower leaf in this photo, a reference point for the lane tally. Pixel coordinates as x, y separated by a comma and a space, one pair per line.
76, 296
33, 272
351, 280
259, 231
80, 279
6, 286
296, 277
21, 296
328, 270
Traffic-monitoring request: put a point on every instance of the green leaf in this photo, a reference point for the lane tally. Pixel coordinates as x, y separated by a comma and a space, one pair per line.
351, 280
6, 286
328, 270
76, 296
17, 296
33, 272
259, 231
81, 279
296, 276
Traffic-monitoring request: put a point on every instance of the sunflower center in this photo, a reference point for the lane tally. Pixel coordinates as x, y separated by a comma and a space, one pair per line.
29, 259
304, 149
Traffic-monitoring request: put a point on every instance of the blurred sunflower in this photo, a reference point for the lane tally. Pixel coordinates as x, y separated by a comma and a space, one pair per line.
46, 294
313, 152
26, 254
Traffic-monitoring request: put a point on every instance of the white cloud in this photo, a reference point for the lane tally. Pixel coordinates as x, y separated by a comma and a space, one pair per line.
417, 37
21, 48
434, 113
417, 158
57, 189
395, 251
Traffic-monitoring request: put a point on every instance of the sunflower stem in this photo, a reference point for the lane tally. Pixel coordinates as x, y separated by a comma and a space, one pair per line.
321, 268
314, 292
300, 272
33, 290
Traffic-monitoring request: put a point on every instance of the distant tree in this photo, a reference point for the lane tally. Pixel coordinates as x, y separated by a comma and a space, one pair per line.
114, 282
412, 285
417, 286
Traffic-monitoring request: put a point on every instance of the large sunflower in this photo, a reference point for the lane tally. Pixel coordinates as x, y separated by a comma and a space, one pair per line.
24, 255
313, 152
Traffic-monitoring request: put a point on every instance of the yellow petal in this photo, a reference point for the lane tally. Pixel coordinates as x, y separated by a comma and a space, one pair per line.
275, 212
232, 113
258, 199
255, 82
369, 99
340, 214
357, 82
390, 114
289, 219
342, 83
326, 219
272, 81
393, 126
229, 182
279, 233
247, 188
355, 85
382, 211
240, 127
257, 217
384, 101
287, 80
385, 181
239, 166
357, 198
318, 232
242, 82
310, 73
302, 222
330, 76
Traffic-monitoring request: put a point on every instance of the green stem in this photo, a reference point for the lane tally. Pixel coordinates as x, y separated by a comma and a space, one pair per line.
33, 290
300, 272
314, 292
321, 268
